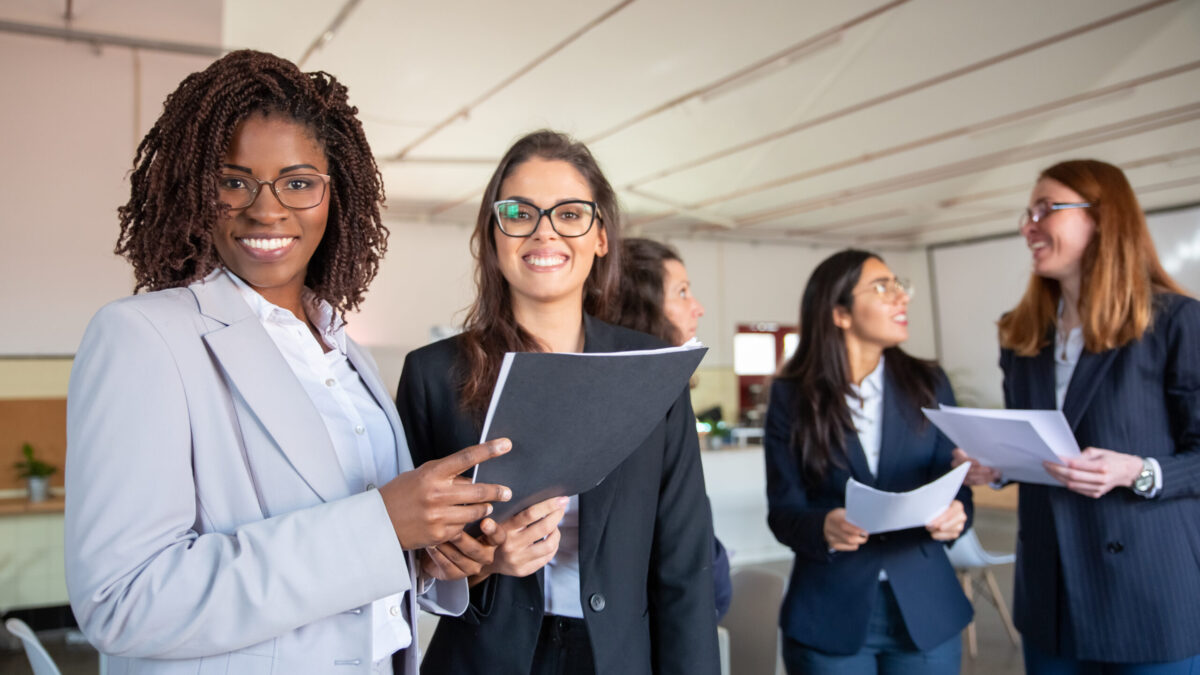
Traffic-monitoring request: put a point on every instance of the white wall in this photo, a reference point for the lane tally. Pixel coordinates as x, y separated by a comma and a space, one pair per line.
979, 281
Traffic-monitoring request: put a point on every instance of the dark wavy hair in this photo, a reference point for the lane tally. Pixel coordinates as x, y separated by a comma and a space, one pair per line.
490, 328
821, 369
641, 296
167, 225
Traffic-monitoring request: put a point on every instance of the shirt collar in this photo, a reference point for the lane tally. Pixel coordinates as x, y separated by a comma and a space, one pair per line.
329, 325
872, 384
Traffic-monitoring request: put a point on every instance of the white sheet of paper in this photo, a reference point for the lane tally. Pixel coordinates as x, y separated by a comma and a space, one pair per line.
878, 511
1015, 442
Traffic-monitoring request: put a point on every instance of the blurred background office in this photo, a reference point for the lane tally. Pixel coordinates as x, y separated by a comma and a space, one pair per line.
756, 138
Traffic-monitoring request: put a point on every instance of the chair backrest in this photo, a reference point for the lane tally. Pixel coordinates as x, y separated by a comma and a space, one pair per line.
967, 553
753, 622
39, 658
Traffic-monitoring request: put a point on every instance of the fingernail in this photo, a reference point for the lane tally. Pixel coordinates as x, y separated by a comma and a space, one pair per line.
501, 445
505, 494
563, 501
489, 510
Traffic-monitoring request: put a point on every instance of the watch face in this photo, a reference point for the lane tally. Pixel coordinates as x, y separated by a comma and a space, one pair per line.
1145, 480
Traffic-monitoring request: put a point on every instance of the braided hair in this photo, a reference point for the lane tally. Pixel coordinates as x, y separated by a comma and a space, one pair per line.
167, 224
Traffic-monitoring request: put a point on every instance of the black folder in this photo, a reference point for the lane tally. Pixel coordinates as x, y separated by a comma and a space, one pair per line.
573, 418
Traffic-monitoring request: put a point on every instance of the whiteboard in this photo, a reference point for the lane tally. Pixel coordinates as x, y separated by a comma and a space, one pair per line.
976, 282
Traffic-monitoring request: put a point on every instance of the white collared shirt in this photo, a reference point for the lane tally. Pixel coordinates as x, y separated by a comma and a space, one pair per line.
560, 588
866, 409
362, 436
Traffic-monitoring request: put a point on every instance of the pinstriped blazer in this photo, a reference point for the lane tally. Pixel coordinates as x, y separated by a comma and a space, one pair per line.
1117, 578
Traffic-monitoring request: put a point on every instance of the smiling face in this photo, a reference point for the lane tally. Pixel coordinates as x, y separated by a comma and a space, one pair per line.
545, 269
681, 308
1059, 240
874, 320
266, 243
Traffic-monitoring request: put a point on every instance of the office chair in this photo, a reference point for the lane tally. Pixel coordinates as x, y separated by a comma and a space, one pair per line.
39, 658
973, 565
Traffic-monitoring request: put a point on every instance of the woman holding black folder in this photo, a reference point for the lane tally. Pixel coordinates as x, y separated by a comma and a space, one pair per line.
848, 405
1108, 569
614, 580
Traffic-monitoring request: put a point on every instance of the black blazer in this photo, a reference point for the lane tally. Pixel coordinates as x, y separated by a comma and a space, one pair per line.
1119, 574
829, 598
645, 541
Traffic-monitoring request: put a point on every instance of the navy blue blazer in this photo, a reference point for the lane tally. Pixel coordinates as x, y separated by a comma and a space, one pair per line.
830, 596
1117, 578
645, 541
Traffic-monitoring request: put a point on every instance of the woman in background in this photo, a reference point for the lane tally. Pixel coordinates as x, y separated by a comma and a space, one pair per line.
622, 585
848, 405
656, 298
1108, 569
225, 437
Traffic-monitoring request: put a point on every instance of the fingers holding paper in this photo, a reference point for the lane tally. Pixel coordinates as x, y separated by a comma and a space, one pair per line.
462, 556
949, 524
430, 504
978, 474
528, 540
1096, 471
841, 534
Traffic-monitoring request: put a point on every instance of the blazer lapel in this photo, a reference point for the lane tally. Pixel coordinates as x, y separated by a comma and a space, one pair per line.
893, 430
595, 503
1084, 381
260, 374
858, 458
1042, 392
367, 371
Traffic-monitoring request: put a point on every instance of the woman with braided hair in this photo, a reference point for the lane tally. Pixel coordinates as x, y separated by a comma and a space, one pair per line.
240, 495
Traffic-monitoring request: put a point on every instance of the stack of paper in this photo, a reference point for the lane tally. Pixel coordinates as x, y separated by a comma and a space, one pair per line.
1015, 442
878, 511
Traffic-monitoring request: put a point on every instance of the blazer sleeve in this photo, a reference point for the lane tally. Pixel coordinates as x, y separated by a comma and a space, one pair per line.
684, 622
795, 522
142, 580
1181, 470
944, 452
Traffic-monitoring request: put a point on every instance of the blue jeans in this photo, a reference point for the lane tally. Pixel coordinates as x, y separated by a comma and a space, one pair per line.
1038, 662
888, 650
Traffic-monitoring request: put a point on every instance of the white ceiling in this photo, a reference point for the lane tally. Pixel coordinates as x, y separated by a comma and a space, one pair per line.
895, 123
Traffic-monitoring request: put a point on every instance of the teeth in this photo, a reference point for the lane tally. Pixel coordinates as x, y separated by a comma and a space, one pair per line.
267, 244
545, 261
901, 317
1037, 244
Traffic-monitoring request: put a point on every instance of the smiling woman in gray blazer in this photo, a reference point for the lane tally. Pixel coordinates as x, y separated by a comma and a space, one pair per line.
225, 437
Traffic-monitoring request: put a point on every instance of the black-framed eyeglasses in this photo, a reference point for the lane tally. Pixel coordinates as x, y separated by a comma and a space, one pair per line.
1043, 208
295, 190
570, 218
889, 290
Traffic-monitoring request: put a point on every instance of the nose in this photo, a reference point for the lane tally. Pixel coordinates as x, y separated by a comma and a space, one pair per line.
266, 207
697, 309
543, 230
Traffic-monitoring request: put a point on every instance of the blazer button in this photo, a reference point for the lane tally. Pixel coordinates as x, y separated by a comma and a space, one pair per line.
1115, 547
597, 602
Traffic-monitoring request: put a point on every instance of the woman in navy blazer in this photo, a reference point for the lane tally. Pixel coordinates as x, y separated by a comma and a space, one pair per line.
847, 404
623, 585
1108, 569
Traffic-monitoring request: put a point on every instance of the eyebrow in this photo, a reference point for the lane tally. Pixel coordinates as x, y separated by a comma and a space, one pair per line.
286, 169
880, 280
527, 200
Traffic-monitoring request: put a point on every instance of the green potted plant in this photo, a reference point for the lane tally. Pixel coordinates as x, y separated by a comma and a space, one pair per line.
36, 472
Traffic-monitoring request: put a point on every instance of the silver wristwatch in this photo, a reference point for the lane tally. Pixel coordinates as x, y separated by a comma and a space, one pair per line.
1144, 483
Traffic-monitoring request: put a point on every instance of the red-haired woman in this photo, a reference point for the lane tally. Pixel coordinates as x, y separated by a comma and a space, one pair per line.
623, 584
1108, 569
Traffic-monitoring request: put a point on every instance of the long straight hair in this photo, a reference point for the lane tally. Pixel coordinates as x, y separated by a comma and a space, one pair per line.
643, 266
1121, 270
820, 368
490, 328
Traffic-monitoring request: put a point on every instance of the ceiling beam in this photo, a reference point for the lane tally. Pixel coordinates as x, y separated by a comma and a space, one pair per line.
111, 39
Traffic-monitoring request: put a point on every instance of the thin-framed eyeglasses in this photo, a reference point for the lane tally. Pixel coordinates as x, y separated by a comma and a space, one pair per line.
295, 190
888, 290
1043, 208
570, 218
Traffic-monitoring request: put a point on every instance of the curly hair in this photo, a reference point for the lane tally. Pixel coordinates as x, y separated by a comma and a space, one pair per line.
167, 225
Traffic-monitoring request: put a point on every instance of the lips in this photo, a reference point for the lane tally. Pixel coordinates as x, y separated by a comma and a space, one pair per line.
267, 248
901, 318
544, 261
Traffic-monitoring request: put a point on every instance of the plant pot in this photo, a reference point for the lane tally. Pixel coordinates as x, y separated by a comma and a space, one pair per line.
39, 488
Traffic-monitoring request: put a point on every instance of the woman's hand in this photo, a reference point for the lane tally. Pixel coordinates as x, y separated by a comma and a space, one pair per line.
949, 523
428, 505
841, 534
461, 557
1096, 471
527, 541
978, 474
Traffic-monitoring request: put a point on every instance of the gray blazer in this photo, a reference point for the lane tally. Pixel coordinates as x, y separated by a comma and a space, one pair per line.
209, 527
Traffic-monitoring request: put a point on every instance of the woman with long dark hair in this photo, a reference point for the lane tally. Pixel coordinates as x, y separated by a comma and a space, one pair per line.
225, 437
1108, 569
614, 580
847, 405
